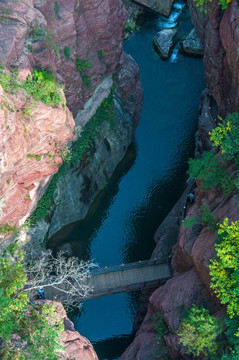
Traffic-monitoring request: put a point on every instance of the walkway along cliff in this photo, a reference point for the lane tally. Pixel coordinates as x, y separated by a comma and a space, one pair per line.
195, 246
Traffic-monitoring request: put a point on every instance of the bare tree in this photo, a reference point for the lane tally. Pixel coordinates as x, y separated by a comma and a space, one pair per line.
63, 278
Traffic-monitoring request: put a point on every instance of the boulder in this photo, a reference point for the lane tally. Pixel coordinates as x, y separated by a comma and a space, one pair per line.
163, 42
161, 6
192, 44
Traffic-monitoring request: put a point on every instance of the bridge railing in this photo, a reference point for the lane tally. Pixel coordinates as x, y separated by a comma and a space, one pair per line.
127, 266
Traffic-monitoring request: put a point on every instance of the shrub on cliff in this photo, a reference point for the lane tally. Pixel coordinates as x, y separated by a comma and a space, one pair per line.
226, 137
198, 333
210, 170
41, 85
203, 4
224, 268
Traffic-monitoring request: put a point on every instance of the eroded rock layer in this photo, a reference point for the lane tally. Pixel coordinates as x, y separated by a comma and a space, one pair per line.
54, 34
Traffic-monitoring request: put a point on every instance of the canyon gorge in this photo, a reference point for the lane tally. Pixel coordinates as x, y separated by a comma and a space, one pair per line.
64, 166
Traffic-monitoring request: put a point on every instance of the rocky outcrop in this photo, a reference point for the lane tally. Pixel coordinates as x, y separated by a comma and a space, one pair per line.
84, 181
82, 45
219, 32
192, 44
161, 6
192, 252
75, 346
54, 34
163, 41
32, 136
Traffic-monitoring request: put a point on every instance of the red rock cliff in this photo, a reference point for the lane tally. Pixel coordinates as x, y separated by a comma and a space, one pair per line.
219, 32
54, 35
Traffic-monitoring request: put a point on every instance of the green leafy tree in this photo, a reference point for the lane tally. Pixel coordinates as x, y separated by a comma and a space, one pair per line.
198, 333
210, 170
37, 325
224, 269
204, 4
226, 136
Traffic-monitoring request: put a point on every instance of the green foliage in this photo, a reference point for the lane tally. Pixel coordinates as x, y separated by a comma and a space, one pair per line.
67, 52
198, 333
5, 11
189, 222
231, 354
83, 65
131, 26
41, 85
6, 229
86, 81
101, 53
73, 155
37, 325
50, 41
226, 136
210, 170
9, 82
57, 8
29, 47
35, 156
160, 325
38, 32
224, 269
204, 4
208, 219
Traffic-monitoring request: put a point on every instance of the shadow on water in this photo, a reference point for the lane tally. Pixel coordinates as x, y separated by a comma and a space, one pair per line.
109, 349
80, 233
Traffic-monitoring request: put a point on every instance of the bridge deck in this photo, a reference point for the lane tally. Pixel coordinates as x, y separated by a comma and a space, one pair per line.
123, 278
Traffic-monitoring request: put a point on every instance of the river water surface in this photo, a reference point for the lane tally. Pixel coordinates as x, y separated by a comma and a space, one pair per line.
147, 183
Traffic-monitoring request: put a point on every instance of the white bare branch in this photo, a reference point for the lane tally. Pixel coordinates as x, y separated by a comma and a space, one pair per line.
61, 277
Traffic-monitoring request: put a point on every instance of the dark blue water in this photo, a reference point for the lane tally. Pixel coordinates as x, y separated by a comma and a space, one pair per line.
145, 186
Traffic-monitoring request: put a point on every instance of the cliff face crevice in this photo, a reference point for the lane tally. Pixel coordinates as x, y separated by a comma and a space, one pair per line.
219, 32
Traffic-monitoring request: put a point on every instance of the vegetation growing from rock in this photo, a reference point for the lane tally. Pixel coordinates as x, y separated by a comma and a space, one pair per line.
224, 269
83, 64
210, 170
160, 325
74, 155
206, 219
41, 85
226, 137
67, 52
203, 4
35, 325
198, 333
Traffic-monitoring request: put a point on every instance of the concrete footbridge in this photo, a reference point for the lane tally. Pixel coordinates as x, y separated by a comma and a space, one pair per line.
122, 278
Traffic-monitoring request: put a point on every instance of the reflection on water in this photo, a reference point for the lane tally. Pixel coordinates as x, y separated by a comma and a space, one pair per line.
123, 220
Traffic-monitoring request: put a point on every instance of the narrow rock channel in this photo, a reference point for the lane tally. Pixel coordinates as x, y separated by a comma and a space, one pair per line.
121, 223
